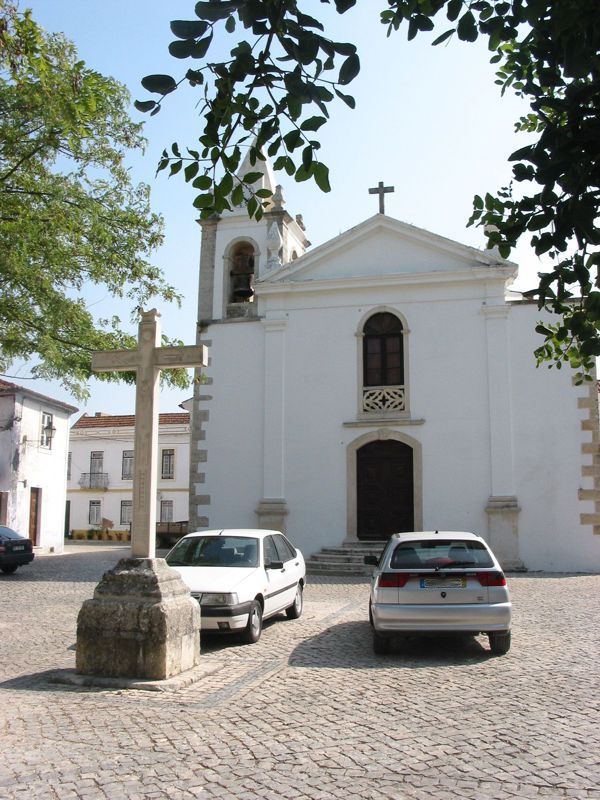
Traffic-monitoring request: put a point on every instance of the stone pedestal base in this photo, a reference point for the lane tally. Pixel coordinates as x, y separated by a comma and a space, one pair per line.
271, 515
141, 623
503, 531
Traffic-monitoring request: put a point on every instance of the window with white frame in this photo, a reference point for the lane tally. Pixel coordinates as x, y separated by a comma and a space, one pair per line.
127, 465
166, 511
167, 471
95, 513
126, 512
48, 431
384, 387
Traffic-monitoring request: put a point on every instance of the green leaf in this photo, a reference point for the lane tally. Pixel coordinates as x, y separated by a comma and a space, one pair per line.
144, 105
252, 177
230, 24
213, 11
341, 6
467, 28
313, 123
444, 36
180, 49
188, 29
321, 174
191, 171
266, 193
347, 98
200, 48
159, 84
203, 201
202, 182
237, 196
349, 69
175, 167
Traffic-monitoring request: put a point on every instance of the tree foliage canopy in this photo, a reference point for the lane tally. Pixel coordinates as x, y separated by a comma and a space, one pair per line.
274, 93
69, 214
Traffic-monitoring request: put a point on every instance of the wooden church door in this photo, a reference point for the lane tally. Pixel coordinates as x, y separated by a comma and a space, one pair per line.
385, 501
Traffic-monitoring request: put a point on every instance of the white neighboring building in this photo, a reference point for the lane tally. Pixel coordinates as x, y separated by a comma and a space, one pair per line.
100, 475
34, 435
383, 382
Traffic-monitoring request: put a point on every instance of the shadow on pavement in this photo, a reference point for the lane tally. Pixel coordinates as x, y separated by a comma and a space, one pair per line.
350, 644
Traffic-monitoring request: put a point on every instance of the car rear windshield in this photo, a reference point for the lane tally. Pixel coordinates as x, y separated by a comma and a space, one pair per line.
8, 533
436, 553
214, 551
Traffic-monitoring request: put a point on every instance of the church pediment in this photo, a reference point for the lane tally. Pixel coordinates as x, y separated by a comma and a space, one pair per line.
382, 246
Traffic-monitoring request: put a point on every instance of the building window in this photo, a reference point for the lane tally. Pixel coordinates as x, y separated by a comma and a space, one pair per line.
167, 471
383, 360
47, 431
95, 514
127, 465
126, 512
96, 461
383, 364
69, 460
166, 511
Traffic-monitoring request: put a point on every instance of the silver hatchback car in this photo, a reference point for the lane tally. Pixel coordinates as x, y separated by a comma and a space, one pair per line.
438, 582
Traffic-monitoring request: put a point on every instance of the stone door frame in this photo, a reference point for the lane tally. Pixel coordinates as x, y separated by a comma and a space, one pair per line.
352, 476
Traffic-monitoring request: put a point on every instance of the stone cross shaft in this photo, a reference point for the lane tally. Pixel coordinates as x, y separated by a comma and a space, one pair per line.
381, 190
147, 361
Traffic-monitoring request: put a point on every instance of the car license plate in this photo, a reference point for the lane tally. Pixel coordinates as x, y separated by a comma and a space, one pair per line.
443, 583
18, 547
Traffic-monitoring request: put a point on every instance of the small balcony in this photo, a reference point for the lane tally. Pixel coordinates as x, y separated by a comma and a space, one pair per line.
383, 398
94, 480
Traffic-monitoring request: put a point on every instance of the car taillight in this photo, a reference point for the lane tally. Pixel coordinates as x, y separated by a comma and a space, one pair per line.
491, 578
393, 580
2, 548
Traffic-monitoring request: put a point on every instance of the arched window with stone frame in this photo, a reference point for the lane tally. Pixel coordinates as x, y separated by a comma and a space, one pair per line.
241, 262
383, 365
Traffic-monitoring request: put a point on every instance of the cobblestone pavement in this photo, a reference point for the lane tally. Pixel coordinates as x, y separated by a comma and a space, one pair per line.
309, 711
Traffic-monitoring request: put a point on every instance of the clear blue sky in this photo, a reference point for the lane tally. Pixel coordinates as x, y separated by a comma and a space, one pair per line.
429, 121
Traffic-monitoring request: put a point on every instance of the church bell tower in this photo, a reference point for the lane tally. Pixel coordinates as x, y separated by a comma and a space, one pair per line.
237, 254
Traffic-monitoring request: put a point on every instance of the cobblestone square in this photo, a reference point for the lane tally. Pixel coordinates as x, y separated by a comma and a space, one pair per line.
309, 711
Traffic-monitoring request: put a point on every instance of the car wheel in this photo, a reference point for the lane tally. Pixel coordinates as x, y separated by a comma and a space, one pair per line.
9, 569
499, 643
370, 614
381, 644
295, 610
253, 629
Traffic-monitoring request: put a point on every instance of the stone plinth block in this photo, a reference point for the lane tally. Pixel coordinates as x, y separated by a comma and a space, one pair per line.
141, 623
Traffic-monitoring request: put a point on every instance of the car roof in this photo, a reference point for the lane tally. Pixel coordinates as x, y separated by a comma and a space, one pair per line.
254, 532
425, 535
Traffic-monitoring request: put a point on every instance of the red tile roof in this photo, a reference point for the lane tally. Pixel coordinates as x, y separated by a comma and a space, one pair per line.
8, 388
127, 420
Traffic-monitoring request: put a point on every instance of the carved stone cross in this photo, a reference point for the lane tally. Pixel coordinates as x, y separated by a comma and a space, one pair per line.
381, 190
147, 361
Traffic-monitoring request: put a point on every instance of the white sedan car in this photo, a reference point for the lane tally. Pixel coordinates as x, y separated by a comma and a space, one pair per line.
240, 577
438, 582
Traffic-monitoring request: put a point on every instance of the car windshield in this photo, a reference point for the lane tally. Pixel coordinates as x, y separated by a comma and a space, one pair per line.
440, 553
8, 533
214, 551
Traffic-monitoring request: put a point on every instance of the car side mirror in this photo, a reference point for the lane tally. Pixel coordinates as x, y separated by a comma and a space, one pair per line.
274, 565
372, 560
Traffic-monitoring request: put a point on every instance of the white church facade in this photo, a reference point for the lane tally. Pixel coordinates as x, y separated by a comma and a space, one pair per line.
384, 381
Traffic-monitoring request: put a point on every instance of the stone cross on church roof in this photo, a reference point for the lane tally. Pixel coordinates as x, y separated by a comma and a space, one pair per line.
381, 190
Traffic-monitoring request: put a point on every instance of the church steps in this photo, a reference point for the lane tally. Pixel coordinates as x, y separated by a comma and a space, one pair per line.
347, 559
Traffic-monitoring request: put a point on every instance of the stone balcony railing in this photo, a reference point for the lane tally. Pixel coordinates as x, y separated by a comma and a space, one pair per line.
94, 480
383, 398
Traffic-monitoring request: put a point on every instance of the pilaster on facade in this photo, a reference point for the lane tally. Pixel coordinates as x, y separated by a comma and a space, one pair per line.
590, 470
502, 507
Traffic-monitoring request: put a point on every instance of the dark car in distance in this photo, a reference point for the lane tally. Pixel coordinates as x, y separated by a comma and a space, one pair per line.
15, 550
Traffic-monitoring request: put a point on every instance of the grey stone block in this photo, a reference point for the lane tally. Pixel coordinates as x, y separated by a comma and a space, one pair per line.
141, 622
